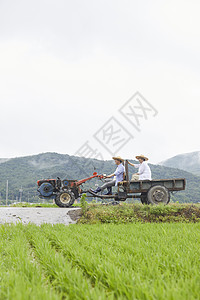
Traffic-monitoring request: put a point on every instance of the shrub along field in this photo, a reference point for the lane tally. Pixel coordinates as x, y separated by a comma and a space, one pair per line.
131, 213
107, 261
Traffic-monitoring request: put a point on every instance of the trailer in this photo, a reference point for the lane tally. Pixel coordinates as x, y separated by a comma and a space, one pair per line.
153, 192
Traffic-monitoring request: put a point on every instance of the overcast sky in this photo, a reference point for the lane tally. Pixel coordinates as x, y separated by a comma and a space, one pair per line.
67, 67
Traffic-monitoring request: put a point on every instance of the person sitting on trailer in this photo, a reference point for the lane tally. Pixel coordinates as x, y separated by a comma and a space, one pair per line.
144, 172
114, 178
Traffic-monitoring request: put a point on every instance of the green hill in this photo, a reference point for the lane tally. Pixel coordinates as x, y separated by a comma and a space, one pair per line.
25, 171
189, 162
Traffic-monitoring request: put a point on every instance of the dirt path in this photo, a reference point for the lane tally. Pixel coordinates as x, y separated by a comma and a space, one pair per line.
39, 216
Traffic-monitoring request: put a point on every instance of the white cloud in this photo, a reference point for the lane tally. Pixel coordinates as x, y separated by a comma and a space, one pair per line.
66, 67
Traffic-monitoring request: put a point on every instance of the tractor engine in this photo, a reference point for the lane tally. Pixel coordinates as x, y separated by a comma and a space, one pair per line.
64, 192
47, 188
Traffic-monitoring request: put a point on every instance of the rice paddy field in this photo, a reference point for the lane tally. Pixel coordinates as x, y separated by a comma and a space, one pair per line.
101, 261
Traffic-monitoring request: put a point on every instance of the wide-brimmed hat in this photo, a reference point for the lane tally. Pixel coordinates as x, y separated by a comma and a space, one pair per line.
118, 158
142, 156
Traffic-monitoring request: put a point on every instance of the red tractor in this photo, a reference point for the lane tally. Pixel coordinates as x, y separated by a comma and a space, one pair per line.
65, 192
153, 192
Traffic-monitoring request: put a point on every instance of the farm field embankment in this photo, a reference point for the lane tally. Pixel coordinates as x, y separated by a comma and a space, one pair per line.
102, 261
133, 213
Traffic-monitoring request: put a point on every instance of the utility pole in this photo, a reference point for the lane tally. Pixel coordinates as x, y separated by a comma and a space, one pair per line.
20, 193
7, 193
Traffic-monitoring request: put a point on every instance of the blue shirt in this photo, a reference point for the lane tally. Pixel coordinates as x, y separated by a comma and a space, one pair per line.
119, 173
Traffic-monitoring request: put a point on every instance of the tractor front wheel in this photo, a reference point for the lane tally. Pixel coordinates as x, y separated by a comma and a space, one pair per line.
65, 199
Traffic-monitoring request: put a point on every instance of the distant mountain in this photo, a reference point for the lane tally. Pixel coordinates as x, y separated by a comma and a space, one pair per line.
189, 162
2, 160
25, 171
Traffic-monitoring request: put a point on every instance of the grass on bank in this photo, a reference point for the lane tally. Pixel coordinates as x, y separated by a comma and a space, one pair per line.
131, 213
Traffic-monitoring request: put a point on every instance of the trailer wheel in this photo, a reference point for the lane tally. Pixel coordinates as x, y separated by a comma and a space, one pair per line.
158, 194
143, 198
65, 199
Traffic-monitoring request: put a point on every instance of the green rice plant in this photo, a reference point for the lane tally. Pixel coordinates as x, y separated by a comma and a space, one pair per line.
21, 277
124, 261
134, 260
64, 277
84, 204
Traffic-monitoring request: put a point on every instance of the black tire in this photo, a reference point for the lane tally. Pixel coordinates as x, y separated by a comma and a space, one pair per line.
158, 194
65, 199
143, 198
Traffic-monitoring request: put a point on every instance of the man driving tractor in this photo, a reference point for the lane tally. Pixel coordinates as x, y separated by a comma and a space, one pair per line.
113, 179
